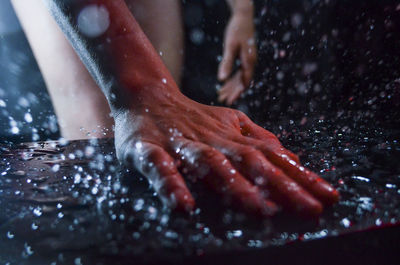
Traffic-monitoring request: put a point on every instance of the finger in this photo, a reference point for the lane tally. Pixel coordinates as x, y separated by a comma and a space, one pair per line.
159, 168
314, 184
282, 189
232, 89
226, 65
252, 130
237, 89
234, 95
225, 91
218, 173
248, 59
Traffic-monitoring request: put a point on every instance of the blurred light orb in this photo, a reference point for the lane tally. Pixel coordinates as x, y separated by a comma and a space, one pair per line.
197, 36
93, 20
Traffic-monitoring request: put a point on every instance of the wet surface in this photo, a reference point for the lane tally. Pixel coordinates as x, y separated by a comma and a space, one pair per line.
71, 202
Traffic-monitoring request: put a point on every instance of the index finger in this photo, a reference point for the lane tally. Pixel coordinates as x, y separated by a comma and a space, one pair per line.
159, 168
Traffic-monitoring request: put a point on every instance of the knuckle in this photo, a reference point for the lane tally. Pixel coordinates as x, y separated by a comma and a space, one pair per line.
210, 154
152, 153
230, 117
167, 168
240, 114
228, 113
150, 158
245, 154
255, 158
145, 153
244, 120
251, 153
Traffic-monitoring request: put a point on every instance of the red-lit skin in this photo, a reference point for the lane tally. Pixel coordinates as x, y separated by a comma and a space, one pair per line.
163, 134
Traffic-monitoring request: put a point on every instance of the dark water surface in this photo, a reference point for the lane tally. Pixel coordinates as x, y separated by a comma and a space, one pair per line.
71, 203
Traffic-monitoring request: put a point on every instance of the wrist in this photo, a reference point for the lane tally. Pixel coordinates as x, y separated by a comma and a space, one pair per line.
141, 99
242, 8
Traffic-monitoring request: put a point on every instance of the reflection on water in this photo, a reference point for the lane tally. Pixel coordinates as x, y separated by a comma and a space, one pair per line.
71, 202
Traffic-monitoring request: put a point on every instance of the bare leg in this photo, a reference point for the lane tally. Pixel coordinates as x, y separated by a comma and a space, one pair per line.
80, 105
161, 21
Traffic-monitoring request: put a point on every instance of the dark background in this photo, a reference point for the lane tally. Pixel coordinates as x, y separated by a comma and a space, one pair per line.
330, 57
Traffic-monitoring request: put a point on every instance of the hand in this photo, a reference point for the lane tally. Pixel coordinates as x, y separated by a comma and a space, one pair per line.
170, 138
239, 42
163, 134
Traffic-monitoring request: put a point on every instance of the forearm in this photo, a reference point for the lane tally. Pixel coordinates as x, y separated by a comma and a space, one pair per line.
121, 59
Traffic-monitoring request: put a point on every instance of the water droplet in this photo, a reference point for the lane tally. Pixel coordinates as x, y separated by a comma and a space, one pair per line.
361, 178
78, 261
28, 250
345, 222
37, 211
136, 235
89, 151
10, 235
296, 20
197, 36
280, 75
55, 168
95, 190
260, 181
77, 178
234, 233
28, 117
14, 130
171, 234
93, 20
62, 141
138, 205
138, 146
